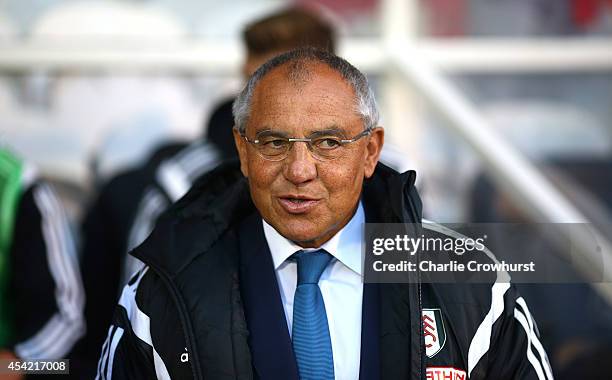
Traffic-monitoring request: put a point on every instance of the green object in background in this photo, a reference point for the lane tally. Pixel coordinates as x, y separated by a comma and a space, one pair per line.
10, 192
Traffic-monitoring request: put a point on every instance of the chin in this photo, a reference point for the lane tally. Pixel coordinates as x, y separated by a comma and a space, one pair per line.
299, 233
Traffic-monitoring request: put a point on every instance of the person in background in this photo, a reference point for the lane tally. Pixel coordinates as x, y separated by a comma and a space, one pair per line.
41, 294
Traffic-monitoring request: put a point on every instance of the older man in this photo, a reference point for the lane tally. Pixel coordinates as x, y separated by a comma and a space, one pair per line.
257, 272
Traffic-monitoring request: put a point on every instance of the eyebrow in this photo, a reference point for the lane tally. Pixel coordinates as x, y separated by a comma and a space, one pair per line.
322, 132
270, 132
328, 131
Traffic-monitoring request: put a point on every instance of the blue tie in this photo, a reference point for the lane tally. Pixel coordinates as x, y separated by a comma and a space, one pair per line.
310, 335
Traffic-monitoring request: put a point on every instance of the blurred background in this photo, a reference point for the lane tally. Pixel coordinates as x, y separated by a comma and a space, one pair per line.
504, 107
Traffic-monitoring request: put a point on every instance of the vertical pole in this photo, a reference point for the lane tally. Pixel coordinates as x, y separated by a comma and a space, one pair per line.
399, 104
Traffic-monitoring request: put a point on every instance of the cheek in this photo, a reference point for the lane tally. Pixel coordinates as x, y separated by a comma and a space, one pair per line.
261, 179
344, 185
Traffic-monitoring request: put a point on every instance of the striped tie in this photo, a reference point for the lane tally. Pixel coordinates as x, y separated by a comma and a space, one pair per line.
310, 335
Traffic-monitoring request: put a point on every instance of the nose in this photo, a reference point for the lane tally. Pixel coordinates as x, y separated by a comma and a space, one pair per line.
300, 166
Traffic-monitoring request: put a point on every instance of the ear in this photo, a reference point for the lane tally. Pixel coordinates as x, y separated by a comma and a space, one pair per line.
242, 152
373, 149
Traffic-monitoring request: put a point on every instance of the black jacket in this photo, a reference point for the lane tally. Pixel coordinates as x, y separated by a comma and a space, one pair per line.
183, 316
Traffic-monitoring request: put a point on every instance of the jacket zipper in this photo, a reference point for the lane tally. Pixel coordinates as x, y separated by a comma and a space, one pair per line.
420, 308
419, 292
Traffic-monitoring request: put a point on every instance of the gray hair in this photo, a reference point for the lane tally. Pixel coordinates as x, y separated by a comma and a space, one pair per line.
365, 104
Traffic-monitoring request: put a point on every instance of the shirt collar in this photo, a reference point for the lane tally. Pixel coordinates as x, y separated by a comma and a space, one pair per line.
346, 245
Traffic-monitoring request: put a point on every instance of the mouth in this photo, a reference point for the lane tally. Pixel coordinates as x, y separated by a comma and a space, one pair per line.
297, 204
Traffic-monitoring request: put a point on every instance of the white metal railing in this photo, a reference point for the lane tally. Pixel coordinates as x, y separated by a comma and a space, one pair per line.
369, 54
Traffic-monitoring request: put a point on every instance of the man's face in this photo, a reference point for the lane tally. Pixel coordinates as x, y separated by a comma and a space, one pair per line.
305, 199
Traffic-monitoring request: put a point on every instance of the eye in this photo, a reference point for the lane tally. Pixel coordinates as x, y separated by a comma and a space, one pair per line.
327, 143
273, 143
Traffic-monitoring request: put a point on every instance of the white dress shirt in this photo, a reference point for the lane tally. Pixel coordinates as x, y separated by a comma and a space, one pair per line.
341, 286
